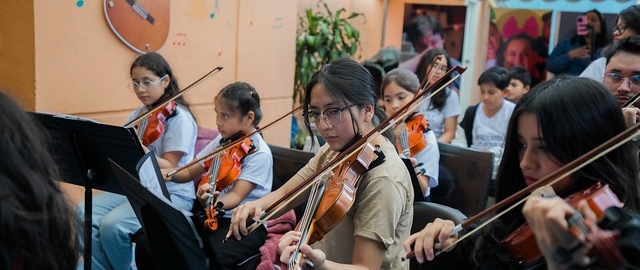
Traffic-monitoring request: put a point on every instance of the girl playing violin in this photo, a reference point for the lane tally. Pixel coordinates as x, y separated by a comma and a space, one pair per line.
340, 101
113, 218
550, 127
398, 88
238, 113
443, 109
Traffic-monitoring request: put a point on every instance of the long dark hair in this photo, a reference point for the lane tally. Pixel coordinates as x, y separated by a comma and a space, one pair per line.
347, 81
155, 63
439, 99
602, 39
38, 225
631, 17
569, 129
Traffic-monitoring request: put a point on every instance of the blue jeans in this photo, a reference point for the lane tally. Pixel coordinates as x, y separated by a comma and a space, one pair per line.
113, 223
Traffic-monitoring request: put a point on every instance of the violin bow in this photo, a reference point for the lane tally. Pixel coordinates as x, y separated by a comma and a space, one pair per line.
219, 150
353, 148
172, 98
521, 196
631, 101
425, 82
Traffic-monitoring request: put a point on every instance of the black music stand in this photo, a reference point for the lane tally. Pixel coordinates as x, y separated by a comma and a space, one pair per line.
172, 236
81, 148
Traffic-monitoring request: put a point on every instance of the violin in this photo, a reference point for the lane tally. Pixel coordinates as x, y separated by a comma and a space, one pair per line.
222, 171
162, 106
522, 242
152, 127
410, 135
521, 196
331, 198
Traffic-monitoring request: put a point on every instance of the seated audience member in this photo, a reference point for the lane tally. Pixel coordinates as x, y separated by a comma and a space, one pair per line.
442, 109
627, 24
573, 54
485, 124
519, 84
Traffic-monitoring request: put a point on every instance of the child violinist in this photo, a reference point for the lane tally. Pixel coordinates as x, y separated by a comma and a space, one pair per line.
113, 218
538, 142
238, 113
399, 86
340, 101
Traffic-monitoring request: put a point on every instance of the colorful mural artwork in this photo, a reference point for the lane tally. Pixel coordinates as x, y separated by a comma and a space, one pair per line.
519, 37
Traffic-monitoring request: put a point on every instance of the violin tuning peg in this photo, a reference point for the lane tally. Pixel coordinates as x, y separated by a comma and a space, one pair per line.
220, 213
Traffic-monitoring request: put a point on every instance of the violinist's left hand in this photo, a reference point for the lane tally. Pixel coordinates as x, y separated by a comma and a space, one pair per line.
547, 217
630, 115
287, 246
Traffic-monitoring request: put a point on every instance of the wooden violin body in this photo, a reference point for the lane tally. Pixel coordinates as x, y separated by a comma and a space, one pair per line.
522, 242
331, 199
154, 125
222, 172
412, 137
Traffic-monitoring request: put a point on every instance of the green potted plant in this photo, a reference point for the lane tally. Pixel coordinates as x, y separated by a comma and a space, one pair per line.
322, 38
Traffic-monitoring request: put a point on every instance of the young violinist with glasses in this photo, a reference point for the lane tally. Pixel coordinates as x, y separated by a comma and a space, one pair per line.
549, 128
114, 221
414, 137
340, 101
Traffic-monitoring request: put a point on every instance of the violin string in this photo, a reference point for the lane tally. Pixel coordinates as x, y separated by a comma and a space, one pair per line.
142, 127
404, 139
521, 201
313, 202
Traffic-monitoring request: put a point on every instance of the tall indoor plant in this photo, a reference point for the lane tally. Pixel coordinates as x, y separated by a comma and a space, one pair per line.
322, 38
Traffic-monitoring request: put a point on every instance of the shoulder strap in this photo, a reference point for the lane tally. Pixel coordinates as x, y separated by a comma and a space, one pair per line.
467, 123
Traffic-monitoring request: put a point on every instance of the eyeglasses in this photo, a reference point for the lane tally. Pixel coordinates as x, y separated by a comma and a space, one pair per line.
145, 83
619, 28
331, 116
616, 78
440, 68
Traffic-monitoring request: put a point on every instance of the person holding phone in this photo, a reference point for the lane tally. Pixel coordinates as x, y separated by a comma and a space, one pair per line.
572, 55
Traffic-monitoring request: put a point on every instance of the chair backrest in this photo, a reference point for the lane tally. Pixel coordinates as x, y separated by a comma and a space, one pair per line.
425, 212
471, 172
286, 163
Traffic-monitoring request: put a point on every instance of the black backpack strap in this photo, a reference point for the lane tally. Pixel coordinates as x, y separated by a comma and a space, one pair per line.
467, 123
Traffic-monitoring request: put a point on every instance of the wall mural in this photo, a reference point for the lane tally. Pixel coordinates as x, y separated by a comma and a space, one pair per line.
519, 37
142, 25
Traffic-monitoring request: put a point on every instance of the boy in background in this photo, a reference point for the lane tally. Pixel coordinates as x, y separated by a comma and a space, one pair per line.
519, 84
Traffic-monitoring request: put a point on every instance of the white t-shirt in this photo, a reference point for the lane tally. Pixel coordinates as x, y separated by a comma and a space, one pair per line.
595, 70
488, 132
430, 158
179, 136
437, 117
257, 168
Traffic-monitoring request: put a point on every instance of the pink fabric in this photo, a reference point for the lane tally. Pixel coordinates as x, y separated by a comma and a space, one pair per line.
276, 228
205, 135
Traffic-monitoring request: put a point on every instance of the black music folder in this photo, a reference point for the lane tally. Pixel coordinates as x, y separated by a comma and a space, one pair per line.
81, 148
172, 236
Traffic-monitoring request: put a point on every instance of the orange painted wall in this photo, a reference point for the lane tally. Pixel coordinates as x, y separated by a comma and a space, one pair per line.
82, 68
17, 51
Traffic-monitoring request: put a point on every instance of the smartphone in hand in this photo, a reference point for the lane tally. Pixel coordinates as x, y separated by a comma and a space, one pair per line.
582, 25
